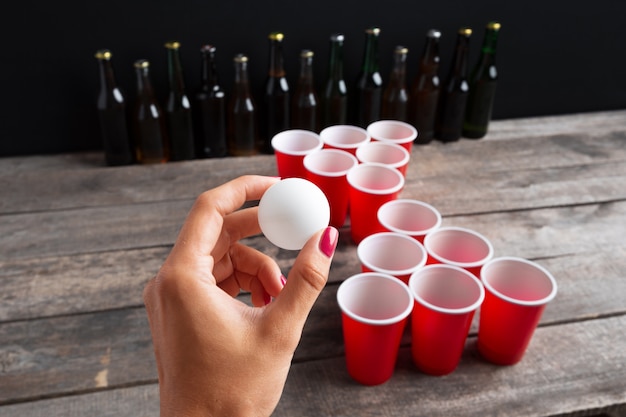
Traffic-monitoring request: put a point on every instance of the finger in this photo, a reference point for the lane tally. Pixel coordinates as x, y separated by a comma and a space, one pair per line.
306, 280
203, 226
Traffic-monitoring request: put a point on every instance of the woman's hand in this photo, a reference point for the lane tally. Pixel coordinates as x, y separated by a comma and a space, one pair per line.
215, 355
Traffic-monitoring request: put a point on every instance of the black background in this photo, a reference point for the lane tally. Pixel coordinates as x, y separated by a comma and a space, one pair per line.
554, 57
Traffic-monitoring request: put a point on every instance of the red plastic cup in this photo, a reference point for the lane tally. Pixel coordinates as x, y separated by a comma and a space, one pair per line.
327, 168
375, 308
391, 253
446, 298
371, 186
410, 217
517, 292
387, 153
393, 131
290, 148
459, 247
345, 137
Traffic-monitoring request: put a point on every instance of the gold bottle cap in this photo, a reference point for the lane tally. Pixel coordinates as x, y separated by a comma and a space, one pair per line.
493, 26
373, 31
401, 50
465, 31
104, 54
141, 63
276, 36
240, 58
172, 45
306, 53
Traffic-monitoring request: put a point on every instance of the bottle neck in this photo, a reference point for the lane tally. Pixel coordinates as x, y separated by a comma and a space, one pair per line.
175, 70
241, 77
306, 69
209, 70
430, 57
488, 49
370, 57
461, 56
398, 73
144, 86
107, 77
336, 60
276, 69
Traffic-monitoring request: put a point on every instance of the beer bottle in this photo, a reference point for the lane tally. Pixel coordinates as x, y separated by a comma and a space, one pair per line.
335, 95
455, 91
149, 130
242, 129
395, 97
369, 85
482, 86
111, 105
178, 108
209, 109
425, 90
304, 112
276, 115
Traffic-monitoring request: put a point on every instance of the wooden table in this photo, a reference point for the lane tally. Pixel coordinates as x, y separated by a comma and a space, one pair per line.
78, 241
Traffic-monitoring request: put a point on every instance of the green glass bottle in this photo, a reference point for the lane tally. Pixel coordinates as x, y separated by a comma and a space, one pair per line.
454, 94
369, 85
178, 108
305, 104
149, 130
335, 95
482, 87
111, 105
396, 97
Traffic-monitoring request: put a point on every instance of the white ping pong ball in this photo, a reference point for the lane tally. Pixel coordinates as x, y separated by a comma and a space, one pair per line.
291, 211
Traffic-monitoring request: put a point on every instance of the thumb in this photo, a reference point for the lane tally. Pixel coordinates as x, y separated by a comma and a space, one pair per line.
306, 280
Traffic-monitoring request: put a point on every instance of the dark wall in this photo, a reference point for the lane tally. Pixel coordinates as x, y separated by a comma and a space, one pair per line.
554, 56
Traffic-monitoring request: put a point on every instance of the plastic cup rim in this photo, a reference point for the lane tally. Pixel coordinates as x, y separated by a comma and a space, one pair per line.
375, 322
531, 303
408, 139
386, 191
474, 264
407, 231
390, 271
284, 133
340, 173
405, 160
355, 145
472, 307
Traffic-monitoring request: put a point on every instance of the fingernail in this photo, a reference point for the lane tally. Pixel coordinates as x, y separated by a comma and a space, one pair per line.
266, 298
328, 241
283, 280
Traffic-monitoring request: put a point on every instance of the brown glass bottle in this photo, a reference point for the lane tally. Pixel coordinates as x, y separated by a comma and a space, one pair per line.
209, 109
178, 108
426, 89
111, 106
455, 91
149, 130
305, 104
334, 104
482, 87
276, 109
395, 96
242, 129
369, 85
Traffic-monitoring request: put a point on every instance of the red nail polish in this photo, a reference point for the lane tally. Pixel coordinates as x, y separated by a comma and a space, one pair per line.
328, 242
267, 298
283, 280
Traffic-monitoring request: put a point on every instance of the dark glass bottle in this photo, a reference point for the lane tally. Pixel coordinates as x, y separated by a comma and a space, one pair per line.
111, 106
335, 95
454, 94
209, 109
395, 96
369, 85
178, 108
426, 89
276, 117
305, 104
242, 129
149, 130
482, 86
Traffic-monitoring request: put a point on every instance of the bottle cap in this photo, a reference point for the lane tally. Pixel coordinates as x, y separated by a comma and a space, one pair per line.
401, 50
103, 54
493, 26
172, 45
306, 53
240, 58
465, 31
276, 36
142, 63
433, 33
373, 31
207, 48
337, 37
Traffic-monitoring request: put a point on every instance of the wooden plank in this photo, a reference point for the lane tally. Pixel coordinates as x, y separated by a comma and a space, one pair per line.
503, 164
548, 381
64, 355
